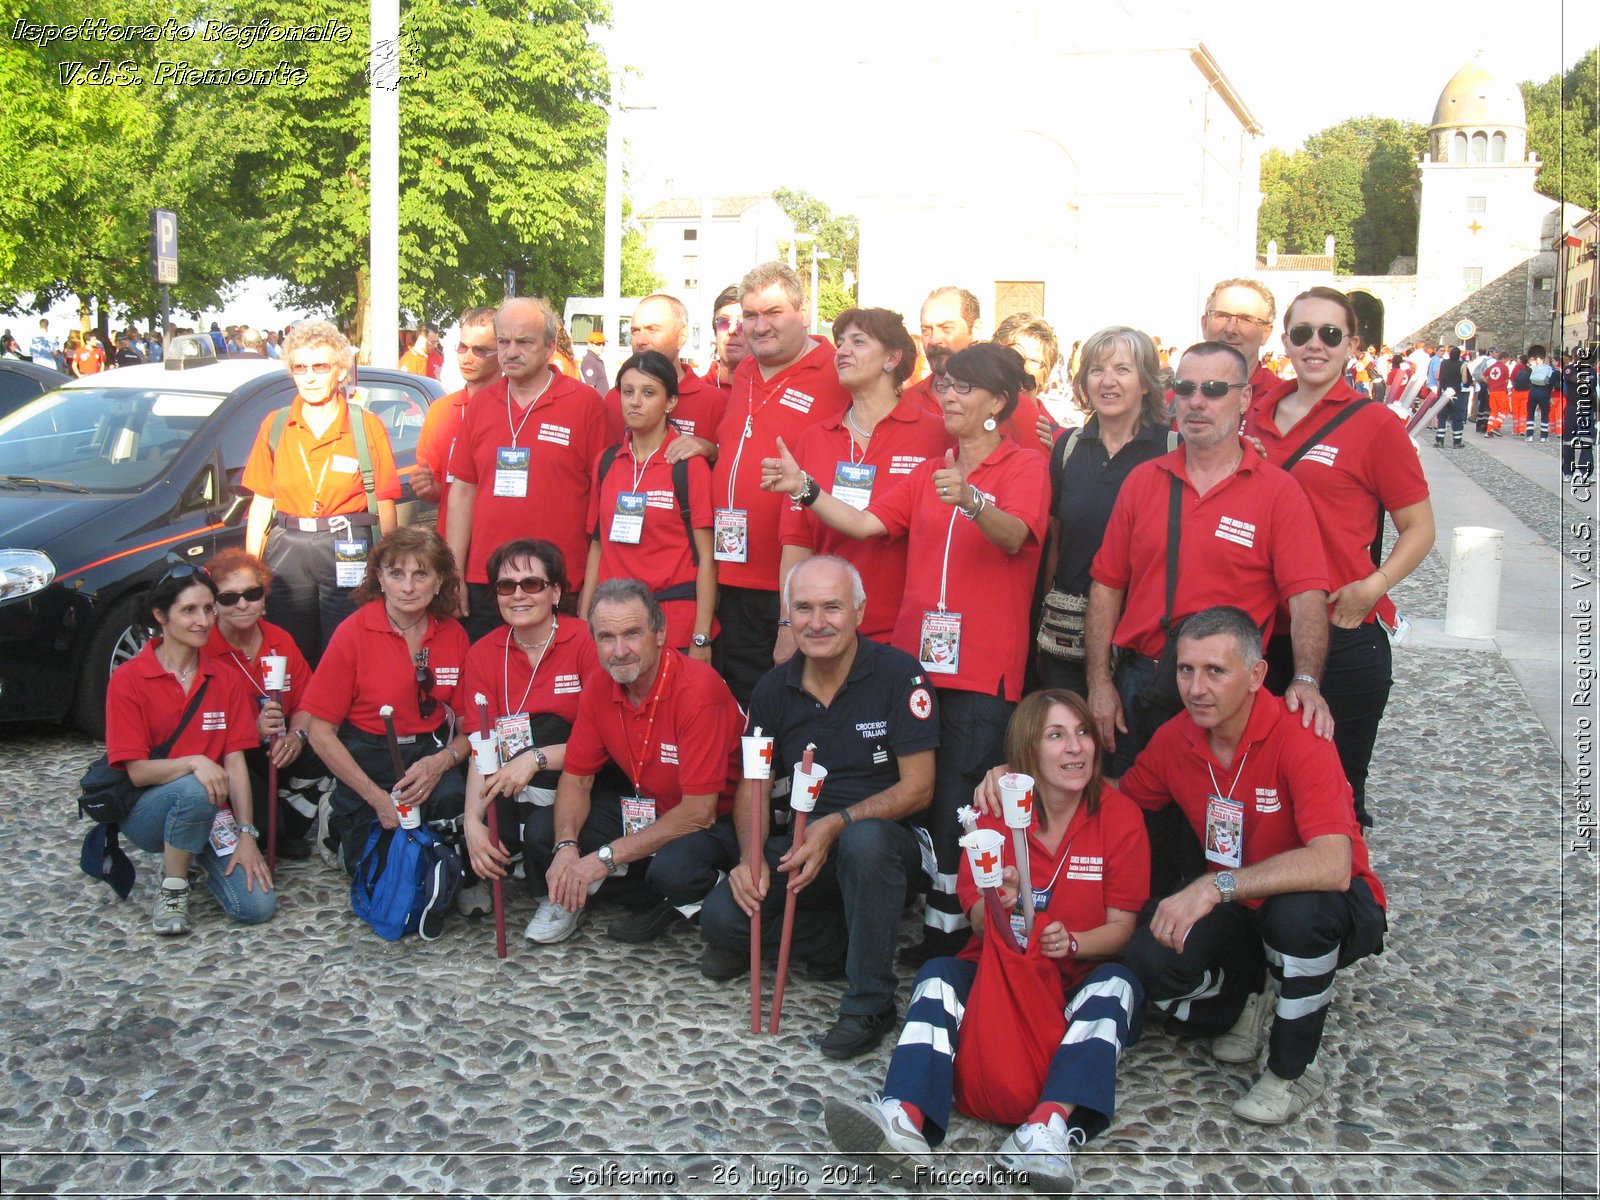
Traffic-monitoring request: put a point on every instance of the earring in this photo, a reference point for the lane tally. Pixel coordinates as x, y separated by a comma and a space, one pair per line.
990, 425
889, 369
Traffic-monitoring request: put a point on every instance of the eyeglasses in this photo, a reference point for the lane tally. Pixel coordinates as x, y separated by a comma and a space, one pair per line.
943, 384
1210, 388
477, 351
1330, 335
531, 584
183, 571
322, 368
249, 596
426, 704
1224, 318
723, 324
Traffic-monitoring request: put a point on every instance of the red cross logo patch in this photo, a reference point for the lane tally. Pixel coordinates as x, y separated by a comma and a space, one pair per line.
987, 861
921, 704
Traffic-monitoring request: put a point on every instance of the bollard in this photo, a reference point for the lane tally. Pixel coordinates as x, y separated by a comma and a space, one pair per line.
1472, 607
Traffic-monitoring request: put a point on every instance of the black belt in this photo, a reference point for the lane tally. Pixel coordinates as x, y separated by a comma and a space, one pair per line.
352, 733
323, 524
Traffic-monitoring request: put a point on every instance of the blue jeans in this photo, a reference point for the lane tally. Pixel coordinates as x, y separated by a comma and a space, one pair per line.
179, 814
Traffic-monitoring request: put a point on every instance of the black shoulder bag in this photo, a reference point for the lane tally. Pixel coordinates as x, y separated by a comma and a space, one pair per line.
108, 794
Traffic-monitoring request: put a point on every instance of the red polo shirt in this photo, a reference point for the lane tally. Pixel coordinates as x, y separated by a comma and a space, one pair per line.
683, 741
1246, 542
507, 678
1352, 476
899, 444
1102, 862
1289, 781
308, 469
1021, 426
144, 701
921, 394
440, 428
368, 665
992, 590
250, 671
713, 378
565, 430
794, 399
697, 413
664, 556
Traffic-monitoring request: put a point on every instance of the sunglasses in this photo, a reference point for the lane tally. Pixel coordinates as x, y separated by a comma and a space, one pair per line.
322, 368
530, 584
1211, 388
249, 596
1224, 318
1329, 335
426, 704
183, 571
477, 351
723, 324
943, 384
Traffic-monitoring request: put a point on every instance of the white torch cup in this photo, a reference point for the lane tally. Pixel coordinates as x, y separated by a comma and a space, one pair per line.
984, 853
757, 757
275, 667
485, 752
1016, 800
804, 789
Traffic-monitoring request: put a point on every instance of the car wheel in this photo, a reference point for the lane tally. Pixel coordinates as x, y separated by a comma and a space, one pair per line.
116, 640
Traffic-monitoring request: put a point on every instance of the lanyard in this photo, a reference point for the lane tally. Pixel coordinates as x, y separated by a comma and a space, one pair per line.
505, 667
1217, 790
316, 488
233, 657
516, 429
944, 571
649, 727
866, 437
639, 467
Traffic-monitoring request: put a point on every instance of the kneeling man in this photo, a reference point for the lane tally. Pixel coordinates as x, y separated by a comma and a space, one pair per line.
1288, 890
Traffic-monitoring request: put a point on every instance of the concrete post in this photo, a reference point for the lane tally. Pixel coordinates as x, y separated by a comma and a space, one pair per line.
1472, 607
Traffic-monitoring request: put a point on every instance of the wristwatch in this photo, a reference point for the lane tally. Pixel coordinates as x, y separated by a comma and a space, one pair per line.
305, 738
1225, 883
542, 761
606, 861
250, 829
701, 639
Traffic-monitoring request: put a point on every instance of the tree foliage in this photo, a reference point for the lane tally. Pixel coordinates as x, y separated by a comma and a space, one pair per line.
837, 237
1564, 129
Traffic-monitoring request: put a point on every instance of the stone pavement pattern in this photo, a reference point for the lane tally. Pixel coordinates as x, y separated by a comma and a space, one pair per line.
310, 1057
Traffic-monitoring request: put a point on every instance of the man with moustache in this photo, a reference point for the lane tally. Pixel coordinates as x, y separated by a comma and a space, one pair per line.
869, 712
671, 726
949, 324
478, 358
727, 323
661, 323
523, 459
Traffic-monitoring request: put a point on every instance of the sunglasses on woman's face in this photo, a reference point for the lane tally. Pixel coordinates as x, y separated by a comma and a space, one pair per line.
321, 368
1329, 335
249, 596
530, 584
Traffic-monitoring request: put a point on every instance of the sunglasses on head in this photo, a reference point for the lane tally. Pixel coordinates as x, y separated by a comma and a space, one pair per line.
530, 584
1211, 388
249, 596
183, 571
426, 704
1329, 335
321, 368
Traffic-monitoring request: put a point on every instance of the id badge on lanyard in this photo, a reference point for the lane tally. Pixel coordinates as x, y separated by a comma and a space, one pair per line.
1224, 831
515, 734
732, 535
349, 556
638, 813
627, 523
1019, 929
224, 832
852, 483
511, 471
941, 643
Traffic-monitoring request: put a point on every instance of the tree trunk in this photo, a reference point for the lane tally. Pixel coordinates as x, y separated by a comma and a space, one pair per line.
363, 338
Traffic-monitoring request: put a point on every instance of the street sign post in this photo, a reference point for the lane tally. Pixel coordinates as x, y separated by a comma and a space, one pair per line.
164, 256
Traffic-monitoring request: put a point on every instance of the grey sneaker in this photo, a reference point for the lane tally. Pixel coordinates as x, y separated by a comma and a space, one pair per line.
875, 1125
1043, 1152
1242, 1043
171, 916
1274, 1101
327, 847
551, 923
475, 901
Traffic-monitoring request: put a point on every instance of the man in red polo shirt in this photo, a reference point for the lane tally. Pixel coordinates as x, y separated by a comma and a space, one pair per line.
478, 357
1240, 313
670, 725
523, 459
787, 384
727, 323
1287, 891
949, 325
661, 323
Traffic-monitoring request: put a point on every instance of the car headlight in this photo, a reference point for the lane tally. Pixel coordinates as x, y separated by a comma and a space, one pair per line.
23, 572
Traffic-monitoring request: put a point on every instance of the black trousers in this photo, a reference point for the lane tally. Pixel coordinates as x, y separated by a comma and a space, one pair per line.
1175, 853
305, 600
352, 818
292, 823
743, 650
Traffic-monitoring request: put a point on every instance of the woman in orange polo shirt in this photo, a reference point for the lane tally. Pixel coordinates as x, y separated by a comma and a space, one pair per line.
312, 515
402, 649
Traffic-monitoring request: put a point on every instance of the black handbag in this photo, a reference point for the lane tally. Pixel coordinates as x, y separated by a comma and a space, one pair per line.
108, 795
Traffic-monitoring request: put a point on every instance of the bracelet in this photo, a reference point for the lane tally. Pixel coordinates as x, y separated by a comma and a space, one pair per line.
785, 623
1072, 944
978, 505
305, 738
562, 845
1307, 679
1386, 583
844, 814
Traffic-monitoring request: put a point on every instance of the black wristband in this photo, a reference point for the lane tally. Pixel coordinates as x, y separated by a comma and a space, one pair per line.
560, 846
844, 814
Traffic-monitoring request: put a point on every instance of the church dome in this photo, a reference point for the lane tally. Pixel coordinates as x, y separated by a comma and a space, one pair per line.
1474, 96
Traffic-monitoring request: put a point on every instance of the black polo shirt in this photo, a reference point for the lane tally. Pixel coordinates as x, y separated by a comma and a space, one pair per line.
1084, 494
886, 708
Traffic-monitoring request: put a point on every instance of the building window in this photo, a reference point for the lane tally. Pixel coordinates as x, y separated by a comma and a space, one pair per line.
691, 235
1546, 284
1477, 204
1472, 278
1580, 297
1497, 148
1458, 148
1480, 147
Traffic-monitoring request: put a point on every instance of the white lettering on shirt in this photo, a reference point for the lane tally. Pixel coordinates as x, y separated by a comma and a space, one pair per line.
796, 400
904, 464
1267, 800
559, 434
1321, 453
446, 676
1239, 532
567, 685
661, 500
669, 754
872, 729
1086, 866
213, 720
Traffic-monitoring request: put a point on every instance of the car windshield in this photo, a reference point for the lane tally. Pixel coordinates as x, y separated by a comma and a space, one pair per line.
104, 439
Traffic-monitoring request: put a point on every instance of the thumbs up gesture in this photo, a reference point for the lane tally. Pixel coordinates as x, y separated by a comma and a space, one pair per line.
950, 482
782, 474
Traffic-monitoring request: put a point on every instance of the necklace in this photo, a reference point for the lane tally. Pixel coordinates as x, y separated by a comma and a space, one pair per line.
399, 628
531, 646
181, 676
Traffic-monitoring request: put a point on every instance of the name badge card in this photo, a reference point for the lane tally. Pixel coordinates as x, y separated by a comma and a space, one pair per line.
511, 471
731, 535
349, 563
224, 832
515, 734
941, 643
852, 483
638, 812
627, 524
1224, 831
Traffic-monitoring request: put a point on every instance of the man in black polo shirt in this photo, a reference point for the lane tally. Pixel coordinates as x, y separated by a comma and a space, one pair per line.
870, 713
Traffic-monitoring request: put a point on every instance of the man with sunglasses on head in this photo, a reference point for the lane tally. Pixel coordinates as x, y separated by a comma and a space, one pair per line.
478, 358
661, 323
727, 322
1246, 536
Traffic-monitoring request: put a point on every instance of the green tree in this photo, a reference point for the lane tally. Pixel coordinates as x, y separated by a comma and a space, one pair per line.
839, 238
1562, 131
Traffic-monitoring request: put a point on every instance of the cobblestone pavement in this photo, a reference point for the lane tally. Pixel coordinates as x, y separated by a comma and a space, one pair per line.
1532, 504
309, 1057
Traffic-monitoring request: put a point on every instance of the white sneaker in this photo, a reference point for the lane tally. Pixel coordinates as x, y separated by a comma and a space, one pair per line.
1043, 1152
475, 901
171, 916
1274, 1101
552, 923
876, 1125
329, 855
1242, 1043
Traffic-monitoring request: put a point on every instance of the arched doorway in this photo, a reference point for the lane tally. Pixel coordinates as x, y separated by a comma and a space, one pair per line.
1369, 318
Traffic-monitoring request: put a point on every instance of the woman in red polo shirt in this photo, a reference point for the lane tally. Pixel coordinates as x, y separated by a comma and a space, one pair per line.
203, 775
866, 451
635, 515
1353, 473
1089, 869
531, 671
974, 522
240, 640
402, 649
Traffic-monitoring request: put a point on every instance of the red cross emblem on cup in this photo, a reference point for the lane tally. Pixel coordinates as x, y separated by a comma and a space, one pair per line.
987, 861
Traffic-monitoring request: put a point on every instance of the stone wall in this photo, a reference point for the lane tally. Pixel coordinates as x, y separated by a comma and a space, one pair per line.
1510, 314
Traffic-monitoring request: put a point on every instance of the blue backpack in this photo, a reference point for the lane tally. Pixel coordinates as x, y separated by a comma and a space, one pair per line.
406, 882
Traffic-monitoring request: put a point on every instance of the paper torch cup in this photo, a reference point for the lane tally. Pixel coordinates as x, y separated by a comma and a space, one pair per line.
275, 667
983, 848
1016, 799
410, 815
804, 789
757, 757
485, 752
